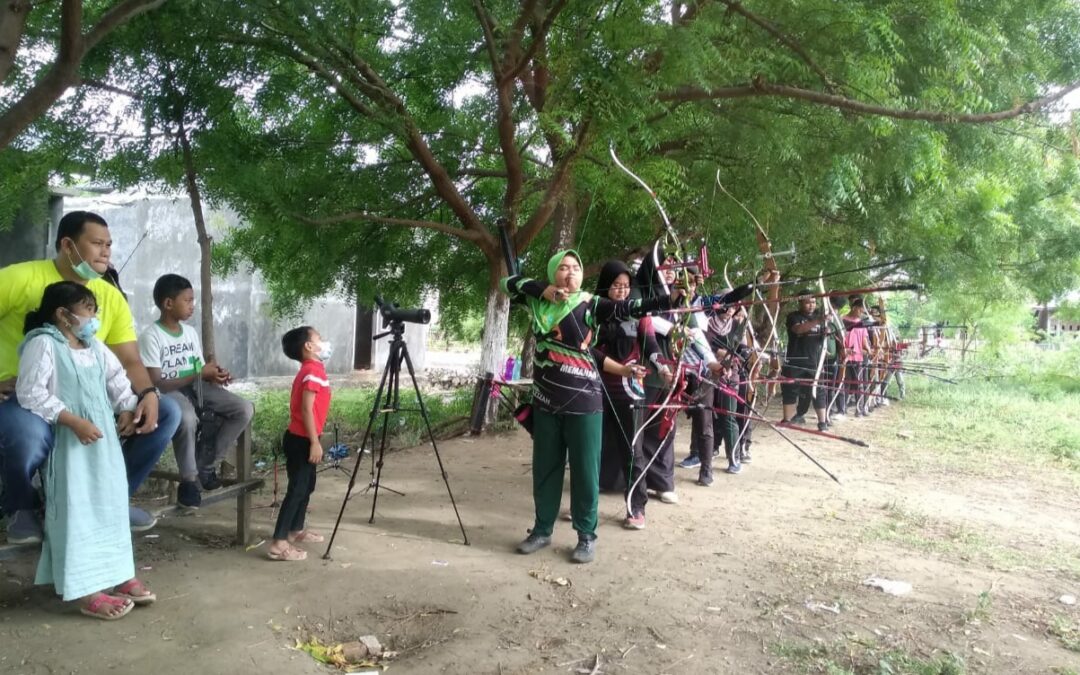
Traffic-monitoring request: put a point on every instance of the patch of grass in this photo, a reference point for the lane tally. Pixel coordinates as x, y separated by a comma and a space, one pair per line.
1067, 633
1019, 407
981, 611
859, 657
350, 410
919, 532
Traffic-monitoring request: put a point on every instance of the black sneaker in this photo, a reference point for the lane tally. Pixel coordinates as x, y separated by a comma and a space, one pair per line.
533, 543
585, 551
188, 494
798, 419
209, 479
822, 426
705, 479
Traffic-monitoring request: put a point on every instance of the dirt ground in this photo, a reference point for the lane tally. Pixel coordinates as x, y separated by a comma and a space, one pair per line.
761, 573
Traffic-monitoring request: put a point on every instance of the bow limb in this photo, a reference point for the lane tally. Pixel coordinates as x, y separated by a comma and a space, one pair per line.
771, 305
824, 338
678, 329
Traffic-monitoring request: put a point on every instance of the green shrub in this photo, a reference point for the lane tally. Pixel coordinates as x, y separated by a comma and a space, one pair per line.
350, 410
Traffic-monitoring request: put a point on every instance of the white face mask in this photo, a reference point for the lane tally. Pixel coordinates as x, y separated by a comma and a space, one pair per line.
326, 350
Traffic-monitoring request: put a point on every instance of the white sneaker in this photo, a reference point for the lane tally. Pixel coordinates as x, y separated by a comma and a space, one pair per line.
838, 416
885, 402
669, 497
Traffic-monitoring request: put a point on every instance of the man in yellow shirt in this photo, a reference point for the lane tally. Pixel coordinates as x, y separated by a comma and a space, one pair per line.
83, 248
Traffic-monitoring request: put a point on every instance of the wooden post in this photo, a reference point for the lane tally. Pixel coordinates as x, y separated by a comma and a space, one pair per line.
244, 498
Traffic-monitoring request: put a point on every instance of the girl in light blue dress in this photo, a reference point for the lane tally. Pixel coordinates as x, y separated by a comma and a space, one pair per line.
74, 382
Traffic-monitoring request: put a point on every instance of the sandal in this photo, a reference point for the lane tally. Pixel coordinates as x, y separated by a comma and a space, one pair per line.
135, 591
288, 555
309, 537
93, 607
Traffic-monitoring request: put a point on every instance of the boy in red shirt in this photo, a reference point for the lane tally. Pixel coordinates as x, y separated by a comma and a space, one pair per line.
308, 405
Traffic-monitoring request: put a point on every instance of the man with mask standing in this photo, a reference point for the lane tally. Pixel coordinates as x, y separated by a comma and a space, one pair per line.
83, 248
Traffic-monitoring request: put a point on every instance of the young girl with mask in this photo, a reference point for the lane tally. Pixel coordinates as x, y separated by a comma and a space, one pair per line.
71, 380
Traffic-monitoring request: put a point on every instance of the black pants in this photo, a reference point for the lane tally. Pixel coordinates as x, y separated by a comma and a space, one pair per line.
301, 474
701, 424
745, 409
856, 384
800, 392
726, 425
620, 464
661, 474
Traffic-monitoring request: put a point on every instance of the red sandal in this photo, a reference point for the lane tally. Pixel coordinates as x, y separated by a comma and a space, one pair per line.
135, 591
92, 608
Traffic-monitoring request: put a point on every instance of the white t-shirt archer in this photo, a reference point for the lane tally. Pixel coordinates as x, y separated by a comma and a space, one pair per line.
175, 354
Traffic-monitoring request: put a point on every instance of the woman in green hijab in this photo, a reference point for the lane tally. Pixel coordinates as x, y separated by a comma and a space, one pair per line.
568, 395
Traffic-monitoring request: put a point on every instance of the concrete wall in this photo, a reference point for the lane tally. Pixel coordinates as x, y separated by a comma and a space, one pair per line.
156, 235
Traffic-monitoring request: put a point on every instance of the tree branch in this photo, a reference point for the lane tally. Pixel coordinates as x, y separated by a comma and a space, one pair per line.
784, 39
488, 27
504, 121
105, 86
363, 216
13, 15
538, 41
559, 178
64, 71
692, 10
116, 17
760, 88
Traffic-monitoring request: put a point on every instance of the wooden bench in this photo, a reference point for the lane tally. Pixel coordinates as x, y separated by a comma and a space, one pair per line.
240, 487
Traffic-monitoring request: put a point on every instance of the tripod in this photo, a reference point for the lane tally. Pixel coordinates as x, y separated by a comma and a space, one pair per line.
335, 459
387, 401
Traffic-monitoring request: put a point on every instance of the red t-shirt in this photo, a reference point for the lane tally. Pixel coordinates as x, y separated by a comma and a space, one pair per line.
312, 377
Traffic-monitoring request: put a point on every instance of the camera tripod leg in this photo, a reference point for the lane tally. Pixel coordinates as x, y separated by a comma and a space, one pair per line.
431, 436
356, 465
387, 401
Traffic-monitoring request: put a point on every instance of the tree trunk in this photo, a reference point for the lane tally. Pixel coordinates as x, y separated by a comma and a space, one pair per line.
206, 298
493, 349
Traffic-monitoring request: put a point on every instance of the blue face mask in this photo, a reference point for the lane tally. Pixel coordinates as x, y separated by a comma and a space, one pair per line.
83, 269
85, 327
325, 351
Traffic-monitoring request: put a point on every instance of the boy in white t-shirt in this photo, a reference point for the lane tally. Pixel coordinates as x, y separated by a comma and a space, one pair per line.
172, 353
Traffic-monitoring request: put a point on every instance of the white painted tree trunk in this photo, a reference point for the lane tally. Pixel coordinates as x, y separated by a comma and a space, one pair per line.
493, 348
496, 322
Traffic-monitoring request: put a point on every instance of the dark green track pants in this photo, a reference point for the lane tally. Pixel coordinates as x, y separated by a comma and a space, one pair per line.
555, 437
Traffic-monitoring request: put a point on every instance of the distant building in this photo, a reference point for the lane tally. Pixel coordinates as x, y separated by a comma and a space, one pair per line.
1048, 320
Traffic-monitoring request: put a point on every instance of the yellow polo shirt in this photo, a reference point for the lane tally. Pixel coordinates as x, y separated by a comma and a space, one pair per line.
21, 288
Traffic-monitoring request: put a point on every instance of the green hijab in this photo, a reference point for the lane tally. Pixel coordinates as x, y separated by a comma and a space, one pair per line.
546, 314
553, 263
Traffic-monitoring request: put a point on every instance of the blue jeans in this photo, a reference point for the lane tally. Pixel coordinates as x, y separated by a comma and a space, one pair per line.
26, 440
